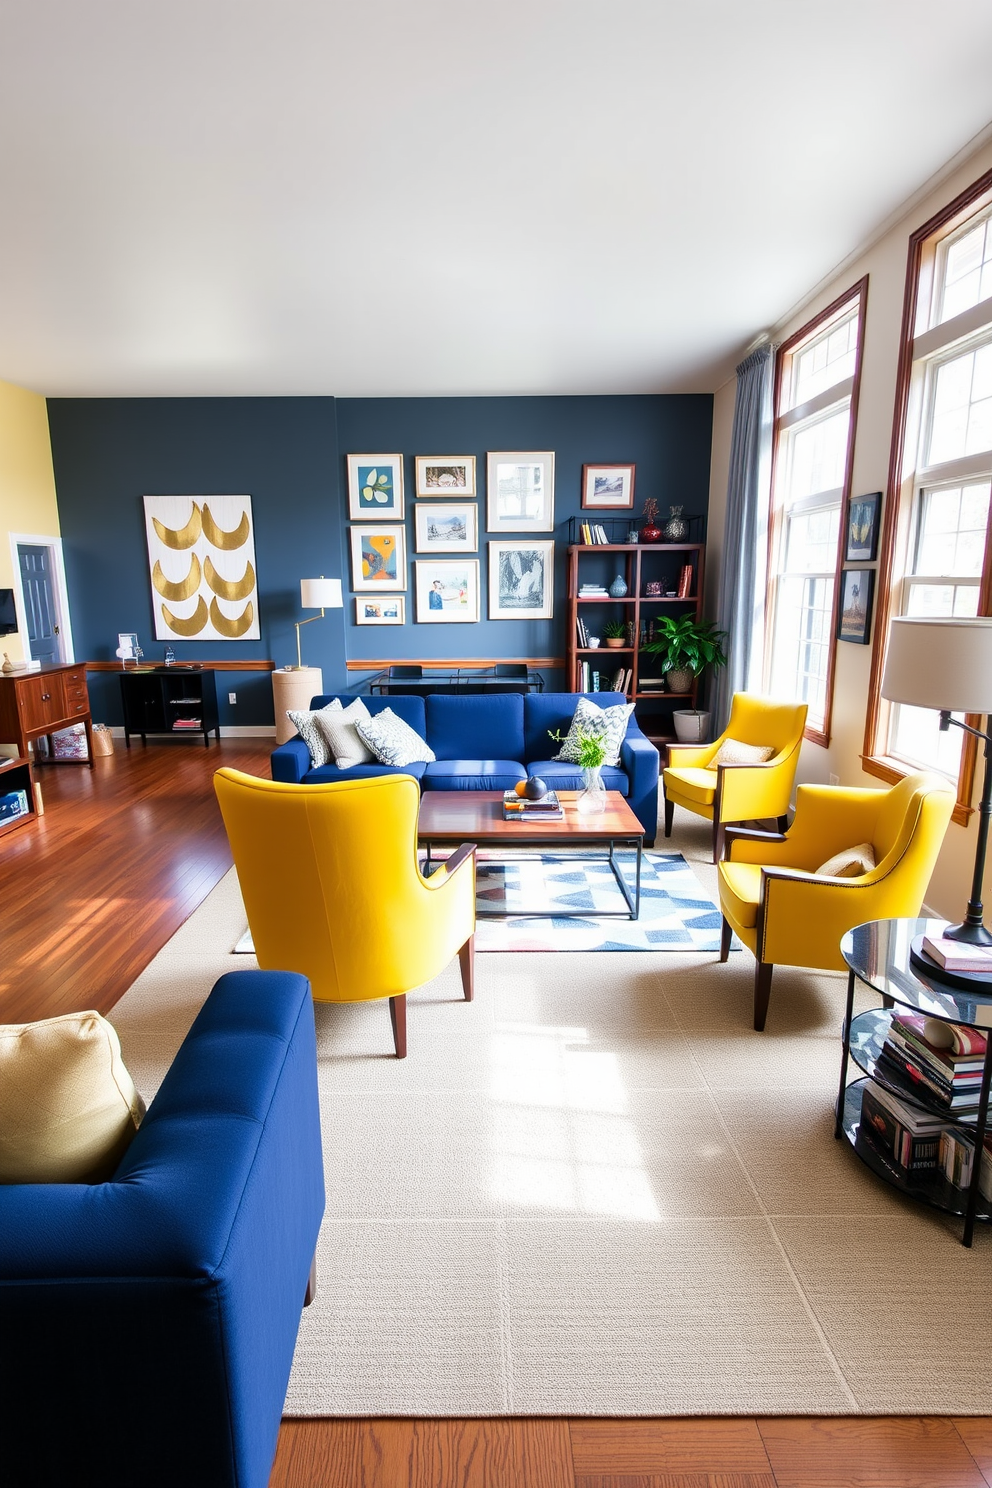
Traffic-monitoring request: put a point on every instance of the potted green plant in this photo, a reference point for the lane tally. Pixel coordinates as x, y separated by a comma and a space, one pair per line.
687, 646
615, 632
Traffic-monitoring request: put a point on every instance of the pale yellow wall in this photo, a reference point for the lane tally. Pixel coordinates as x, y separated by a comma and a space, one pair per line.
27, 484
885, 264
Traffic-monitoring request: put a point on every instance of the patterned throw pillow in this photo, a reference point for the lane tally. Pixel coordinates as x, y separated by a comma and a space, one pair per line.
341, 730
590, 716
733, 752
394, 742
306, 727
851, 863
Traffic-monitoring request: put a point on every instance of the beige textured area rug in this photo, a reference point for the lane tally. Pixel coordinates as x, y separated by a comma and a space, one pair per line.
595, 1190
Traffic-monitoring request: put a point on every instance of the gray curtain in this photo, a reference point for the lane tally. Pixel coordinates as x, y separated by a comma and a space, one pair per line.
741, 601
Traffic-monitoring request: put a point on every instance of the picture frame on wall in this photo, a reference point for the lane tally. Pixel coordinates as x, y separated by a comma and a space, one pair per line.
447, 590
856, 595
375, 488
446, 529
608, 487
522, 579
520, 491
380, 610
862, 528
445, 475
378, 557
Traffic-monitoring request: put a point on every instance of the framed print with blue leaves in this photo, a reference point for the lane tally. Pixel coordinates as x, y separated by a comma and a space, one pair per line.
862, 528
375, 488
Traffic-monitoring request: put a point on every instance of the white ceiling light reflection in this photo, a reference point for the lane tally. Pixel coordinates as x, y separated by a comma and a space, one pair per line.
564, 1138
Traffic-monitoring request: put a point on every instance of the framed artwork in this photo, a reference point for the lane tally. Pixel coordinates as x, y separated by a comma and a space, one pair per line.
201, 554
520, 491
445, 475
446, 529
857, 590
375, 488
862, 528
378, 557
608, 486
389, 610
447, 590
522, 580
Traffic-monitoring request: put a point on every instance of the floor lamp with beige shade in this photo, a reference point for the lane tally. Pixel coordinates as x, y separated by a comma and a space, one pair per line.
294, 686
946, 664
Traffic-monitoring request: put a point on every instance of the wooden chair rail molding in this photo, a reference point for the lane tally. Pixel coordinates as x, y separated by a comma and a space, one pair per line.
465, 662
260, 664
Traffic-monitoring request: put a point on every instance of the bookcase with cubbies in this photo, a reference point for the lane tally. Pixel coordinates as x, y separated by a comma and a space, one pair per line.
674, 574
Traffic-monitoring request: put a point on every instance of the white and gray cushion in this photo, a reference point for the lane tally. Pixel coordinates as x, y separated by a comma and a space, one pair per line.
306, 726
589, 716
394, 742
342, 732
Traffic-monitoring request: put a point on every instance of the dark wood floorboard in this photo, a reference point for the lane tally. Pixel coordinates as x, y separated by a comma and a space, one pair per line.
88, 896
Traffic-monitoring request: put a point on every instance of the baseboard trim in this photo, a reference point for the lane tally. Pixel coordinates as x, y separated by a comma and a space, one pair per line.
227, 731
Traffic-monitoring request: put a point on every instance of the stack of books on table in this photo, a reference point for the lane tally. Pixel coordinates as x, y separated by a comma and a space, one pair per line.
914, 1059
518, 808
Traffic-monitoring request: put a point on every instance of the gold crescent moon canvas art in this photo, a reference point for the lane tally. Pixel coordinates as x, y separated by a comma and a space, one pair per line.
217, 572
225, 541
185, 588
230, 628
190, 627
179, 539
229, 588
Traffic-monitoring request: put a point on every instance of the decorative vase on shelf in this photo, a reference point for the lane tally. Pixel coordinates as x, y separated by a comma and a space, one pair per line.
618, 588
650, 533
676, 527
592, 799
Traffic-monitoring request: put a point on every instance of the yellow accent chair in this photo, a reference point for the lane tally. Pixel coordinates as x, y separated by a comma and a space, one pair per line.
737, 793
787, 914
333, 888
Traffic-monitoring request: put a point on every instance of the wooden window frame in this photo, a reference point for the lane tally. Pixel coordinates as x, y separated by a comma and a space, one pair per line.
924, 245
857, 294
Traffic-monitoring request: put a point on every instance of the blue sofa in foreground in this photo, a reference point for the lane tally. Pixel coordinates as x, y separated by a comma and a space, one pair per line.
489, 743
147, 1324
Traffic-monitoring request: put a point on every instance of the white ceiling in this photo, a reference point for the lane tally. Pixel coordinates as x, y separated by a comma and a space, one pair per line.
387, 197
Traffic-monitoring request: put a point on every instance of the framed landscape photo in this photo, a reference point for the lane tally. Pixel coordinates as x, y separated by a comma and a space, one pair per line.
447, 590
608, 486
446, 529
522, 580
378, 557
520, 491
389, 610
445, 475
862, 528
857, 589
375, 488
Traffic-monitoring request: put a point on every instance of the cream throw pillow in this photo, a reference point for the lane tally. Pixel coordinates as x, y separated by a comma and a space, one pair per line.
851, 863
346, 744
68, 1107
733, 752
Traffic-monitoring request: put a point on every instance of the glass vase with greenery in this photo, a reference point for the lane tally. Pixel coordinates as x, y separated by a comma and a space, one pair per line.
591, 751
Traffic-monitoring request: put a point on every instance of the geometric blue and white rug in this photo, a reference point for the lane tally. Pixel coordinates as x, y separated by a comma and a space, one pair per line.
675, 913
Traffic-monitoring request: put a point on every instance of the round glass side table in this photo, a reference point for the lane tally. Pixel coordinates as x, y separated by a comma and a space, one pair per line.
878, 954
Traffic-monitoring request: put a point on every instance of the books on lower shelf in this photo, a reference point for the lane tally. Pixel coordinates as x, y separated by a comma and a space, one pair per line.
187, 724
913, 1059
958, 955
909, 1136
13, 804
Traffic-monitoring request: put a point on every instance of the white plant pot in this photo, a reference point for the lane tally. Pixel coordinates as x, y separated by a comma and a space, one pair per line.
691, 728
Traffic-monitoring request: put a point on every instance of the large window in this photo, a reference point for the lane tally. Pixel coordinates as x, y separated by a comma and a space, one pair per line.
816, 386
934, 558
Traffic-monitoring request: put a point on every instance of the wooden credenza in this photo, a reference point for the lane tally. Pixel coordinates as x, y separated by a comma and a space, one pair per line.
35, 705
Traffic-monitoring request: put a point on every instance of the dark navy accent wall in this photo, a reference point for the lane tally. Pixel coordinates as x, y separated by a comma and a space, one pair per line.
289, 455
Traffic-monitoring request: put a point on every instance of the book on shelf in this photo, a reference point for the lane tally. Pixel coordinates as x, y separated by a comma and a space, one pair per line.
593, 591
898, 1134
914, 1080
581, 632
584, 677
187, 723
957, 955
913, 1034
957, 1160
685, 581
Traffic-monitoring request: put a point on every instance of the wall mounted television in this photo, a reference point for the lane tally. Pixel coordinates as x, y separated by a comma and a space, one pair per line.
8, 615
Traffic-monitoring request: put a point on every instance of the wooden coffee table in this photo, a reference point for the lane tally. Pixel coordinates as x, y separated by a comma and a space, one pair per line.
448, 818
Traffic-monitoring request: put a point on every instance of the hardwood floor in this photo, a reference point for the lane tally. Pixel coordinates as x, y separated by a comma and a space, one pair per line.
92, 891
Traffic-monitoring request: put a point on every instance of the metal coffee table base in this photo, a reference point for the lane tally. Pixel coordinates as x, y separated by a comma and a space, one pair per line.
632, 899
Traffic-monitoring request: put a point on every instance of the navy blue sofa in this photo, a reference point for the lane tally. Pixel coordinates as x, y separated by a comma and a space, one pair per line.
147, 1324
489, 743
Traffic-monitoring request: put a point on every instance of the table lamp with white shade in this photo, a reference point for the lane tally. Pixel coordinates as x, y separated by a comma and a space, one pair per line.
946, 664
316, 594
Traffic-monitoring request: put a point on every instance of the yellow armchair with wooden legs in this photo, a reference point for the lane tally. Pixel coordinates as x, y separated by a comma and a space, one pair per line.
749, 791
333, 888
788, 914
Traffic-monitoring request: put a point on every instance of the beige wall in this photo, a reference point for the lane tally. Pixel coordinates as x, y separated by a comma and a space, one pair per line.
885, 265
27, 484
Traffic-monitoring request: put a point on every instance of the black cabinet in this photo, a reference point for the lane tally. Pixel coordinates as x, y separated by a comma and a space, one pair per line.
170, 700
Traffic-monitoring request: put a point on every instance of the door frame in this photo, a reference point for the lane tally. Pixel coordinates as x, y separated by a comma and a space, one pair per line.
60, 590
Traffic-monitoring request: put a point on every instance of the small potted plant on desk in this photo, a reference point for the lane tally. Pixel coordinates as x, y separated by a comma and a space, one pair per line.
687, 646
615, 632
